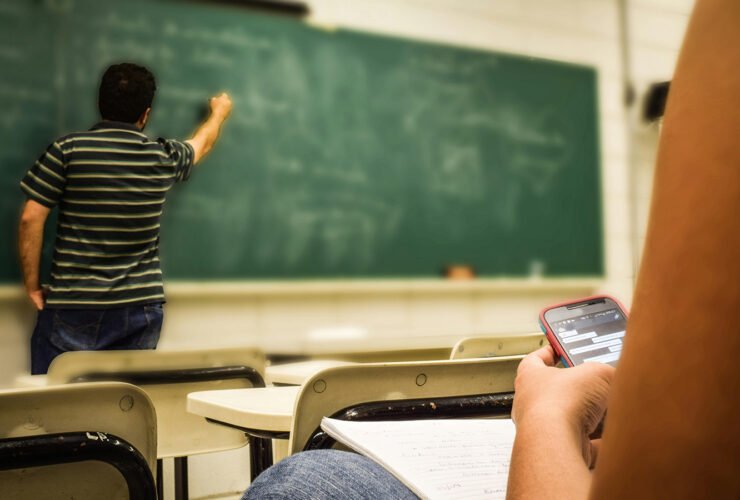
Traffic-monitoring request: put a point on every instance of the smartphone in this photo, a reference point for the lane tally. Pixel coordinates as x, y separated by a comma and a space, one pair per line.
586, 330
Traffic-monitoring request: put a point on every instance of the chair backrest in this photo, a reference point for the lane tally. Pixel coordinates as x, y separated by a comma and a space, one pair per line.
335, 389
113, 408
168, 377
497, 345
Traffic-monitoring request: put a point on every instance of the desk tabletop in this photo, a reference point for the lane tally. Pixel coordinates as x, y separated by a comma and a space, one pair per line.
297, 373
367, 344
264, 408
26, 380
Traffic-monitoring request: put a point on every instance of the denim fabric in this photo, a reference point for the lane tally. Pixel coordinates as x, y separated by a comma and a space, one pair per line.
327, 475
62, 330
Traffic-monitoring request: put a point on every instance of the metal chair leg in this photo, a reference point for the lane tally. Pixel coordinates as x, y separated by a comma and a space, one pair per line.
160, 474
260, 455
181, 478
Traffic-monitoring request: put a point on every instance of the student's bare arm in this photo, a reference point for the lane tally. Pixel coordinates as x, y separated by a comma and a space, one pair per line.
672, 430
555, 411
205, 137
30, 240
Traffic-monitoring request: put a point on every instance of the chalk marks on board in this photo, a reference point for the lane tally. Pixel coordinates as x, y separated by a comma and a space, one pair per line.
458, 173
11, 53
36, 95
497, 152
12, 9
234, 37
25, 95
340, 230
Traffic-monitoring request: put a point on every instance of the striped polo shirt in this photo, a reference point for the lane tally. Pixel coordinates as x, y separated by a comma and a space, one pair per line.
110, 185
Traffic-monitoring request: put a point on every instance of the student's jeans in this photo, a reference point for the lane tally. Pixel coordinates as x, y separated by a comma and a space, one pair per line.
62, 330
327, 475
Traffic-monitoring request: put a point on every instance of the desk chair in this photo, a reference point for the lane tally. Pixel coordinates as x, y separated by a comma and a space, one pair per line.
493, 346
470, 347
86, 441
168, 377
402, 391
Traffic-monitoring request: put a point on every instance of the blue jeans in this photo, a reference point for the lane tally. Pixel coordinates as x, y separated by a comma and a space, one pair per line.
62, 330
327, 475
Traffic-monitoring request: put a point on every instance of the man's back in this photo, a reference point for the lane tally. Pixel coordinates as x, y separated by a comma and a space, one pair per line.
110, 184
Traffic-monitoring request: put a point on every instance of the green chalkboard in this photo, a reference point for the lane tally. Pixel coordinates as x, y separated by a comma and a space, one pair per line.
348, 154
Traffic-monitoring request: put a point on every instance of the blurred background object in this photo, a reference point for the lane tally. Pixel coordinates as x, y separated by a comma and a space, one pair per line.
655, 101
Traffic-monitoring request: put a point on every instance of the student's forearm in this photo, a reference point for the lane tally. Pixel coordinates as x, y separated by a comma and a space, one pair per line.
30, 241
547, 461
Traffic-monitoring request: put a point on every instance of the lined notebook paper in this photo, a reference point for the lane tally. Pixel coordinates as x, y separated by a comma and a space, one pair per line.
436, 459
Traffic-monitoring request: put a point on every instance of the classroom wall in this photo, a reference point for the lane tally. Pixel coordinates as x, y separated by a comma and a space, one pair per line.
581, 31
656, 30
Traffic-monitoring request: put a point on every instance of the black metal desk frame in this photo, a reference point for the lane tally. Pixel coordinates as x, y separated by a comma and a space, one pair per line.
177, 376
71, 447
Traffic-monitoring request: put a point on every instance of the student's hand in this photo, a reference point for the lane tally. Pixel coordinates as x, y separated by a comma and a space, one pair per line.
37, 298
574, 396
221, 105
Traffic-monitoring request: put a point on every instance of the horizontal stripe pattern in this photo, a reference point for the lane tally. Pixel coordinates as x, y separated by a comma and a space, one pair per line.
81, 303
83, 266
101, 278
113, 202
110, 184
136, 229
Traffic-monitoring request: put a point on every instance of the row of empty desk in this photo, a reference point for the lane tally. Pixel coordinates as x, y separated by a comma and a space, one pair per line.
314, 388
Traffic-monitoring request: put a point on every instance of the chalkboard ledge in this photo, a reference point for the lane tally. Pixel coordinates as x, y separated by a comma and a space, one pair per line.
11, 292
192, 289
178, 289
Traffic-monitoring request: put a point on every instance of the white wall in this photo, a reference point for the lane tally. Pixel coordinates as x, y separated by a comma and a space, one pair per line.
580, 31
656, 30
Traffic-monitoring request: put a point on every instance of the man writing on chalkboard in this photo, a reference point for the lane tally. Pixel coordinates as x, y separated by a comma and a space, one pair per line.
110, 183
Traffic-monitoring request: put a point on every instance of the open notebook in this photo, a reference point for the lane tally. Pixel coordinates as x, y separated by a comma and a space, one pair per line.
436, 459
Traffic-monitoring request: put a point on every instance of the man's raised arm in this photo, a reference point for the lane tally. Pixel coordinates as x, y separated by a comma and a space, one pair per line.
205, 137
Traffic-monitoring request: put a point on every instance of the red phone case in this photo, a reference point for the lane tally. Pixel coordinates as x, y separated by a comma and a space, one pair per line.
551, 335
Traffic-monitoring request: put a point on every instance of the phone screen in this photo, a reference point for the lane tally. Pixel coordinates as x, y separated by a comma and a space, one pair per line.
593, 337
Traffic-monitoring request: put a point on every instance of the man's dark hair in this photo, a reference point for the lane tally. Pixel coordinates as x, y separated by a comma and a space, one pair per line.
126, 90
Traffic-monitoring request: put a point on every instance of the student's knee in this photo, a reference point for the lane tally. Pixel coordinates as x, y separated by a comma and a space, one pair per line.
326, 474
300, 476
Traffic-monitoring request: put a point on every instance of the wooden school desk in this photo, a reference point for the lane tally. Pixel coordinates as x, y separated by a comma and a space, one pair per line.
265, 410
27, 380
262, 414
280, 374
418, 389
297, 373
400, 347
